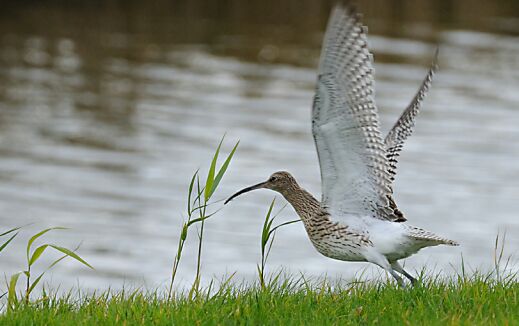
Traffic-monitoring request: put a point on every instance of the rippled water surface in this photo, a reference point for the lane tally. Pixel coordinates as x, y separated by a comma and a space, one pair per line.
107, 109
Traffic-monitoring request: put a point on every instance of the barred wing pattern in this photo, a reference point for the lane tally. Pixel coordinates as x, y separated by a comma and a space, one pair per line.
404, 126
345, 125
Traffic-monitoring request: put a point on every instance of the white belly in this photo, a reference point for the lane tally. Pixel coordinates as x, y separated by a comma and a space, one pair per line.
391, 240
386, 238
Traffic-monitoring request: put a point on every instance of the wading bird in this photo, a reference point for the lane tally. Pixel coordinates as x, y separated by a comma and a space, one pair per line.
357, 218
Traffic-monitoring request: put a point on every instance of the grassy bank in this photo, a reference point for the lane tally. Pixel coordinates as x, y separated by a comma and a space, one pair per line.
462, 302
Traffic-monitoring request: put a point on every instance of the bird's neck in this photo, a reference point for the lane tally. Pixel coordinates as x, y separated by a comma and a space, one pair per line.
305, 205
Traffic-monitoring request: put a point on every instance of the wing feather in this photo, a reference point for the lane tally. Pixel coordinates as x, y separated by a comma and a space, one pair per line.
352, 156
403, 128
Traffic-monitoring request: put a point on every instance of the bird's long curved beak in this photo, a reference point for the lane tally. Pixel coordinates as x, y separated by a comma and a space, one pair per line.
257, 186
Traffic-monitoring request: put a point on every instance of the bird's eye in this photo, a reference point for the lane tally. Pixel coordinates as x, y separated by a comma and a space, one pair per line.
273, 178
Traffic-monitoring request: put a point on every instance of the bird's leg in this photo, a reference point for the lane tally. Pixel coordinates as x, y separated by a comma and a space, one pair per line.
397, 267
382, 261
397, 277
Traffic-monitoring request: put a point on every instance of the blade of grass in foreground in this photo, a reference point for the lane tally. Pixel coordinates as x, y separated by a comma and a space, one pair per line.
11, 297
199, 205
71, 254
268, 234
223, 169
32, 259
8, 241
39, 234
210, 175
203, 215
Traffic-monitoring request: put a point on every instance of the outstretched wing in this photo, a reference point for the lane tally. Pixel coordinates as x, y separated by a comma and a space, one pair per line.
404, 126
354, 166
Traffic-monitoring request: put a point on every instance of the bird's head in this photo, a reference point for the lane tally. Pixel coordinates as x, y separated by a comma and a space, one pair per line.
280, 181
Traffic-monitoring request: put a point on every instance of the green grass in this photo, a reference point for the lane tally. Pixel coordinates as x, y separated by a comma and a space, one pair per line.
478, 301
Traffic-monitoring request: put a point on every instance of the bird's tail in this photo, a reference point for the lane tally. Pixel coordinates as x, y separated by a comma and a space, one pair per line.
429, 237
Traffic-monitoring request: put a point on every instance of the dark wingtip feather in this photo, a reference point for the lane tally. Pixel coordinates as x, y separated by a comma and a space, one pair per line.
349, 7
435, 65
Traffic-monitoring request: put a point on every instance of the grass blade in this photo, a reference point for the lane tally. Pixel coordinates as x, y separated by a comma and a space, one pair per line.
210, 174
267, 224
265, 232
10, 231
191, 185
222, 170
11, 297
39, 234
71, 254
203, 218
37, 253
282, 224
198, 198
271, 243
56, 262
35, 282
7, 242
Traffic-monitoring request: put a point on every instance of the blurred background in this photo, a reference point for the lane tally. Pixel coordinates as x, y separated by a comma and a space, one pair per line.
108, 107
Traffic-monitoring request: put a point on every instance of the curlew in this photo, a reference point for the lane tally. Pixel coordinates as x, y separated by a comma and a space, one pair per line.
357, 218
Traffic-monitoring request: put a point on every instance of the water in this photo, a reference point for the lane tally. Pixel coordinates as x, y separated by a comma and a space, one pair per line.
107, 109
